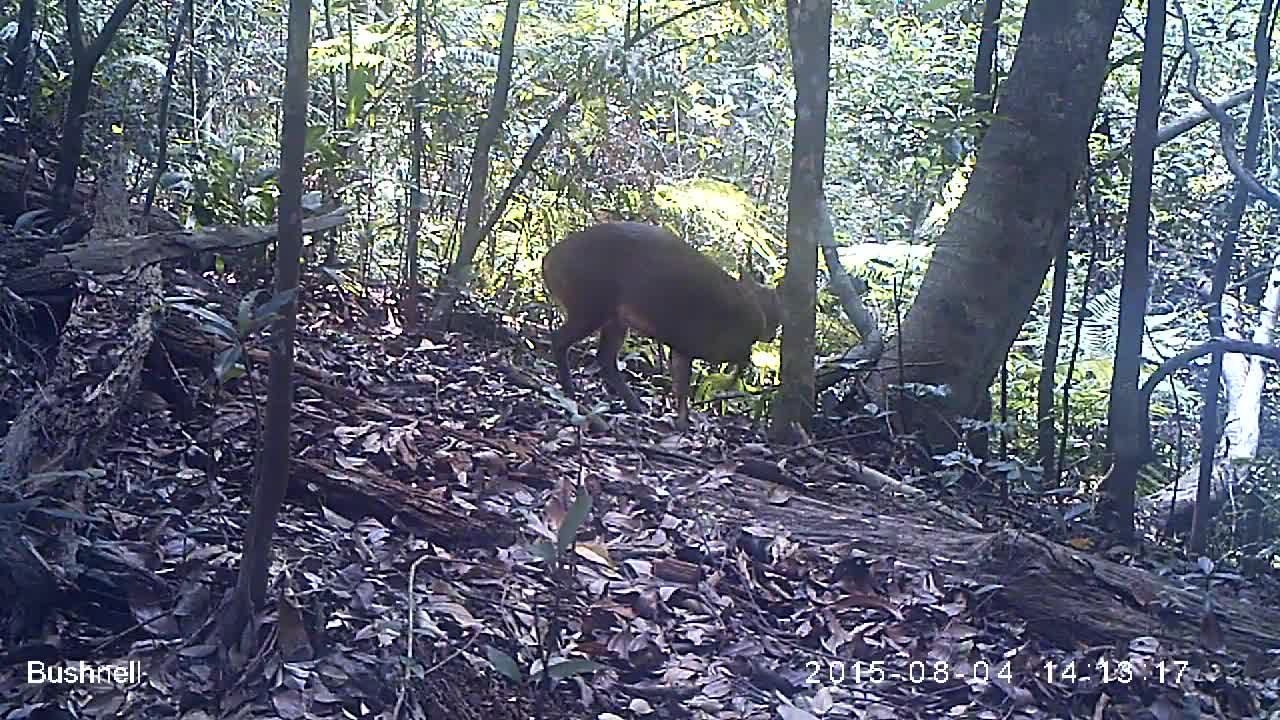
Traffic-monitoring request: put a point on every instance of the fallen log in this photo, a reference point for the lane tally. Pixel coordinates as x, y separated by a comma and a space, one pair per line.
103, 341
1066, 596
119, 255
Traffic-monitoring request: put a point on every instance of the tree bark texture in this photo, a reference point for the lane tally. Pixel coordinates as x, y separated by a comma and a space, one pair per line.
1128, 429
1046, 410
809, 31
1065, 596
984, 66
460, 270
273, 464
990, 263
85, 57
415, 176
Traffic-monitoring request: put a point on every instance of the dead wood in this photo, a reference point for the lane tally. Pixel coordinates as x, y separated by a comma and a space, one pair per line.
27, 183
102, 348
94, 376
117, 255
27, 583
1066, 596
364, 492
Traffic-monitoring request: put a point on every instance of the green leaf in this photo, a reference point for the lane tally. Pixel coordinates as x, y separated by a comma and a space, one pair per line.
47, 477
504, 664
213, 321
315, 133
546, 552
157, 68
260, 179
1076, 511
225, 363
570, 668
573, 519
357, 93
67, 515
27, 220
713, 384
272, 307
175, 178
569, 406
245, 314
218, 330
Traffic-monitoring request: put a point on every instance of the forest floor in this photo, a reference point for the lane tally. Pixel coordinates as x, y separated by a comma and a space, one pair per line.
713, 577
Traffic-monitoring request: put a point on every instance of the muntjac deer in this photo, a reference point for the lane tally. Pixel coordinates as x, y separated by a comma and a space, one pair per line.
615, 276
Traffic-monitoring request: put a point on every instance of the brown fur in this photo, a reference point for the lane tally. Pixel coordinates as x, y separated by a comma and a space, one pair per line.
619, 276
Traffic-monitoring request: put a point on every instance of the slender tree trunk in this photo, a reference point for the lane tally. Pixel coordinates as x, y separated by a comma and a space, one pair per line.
552, 124
990, 262
984, 96
335, 124
1092, 222
460, 270
1046, 413
415, 178
166, 97
20, 49
196, 79
331, 35
1126, 423
72, 145
809, 32
1209, 450
273, 468
1195, 117
85, 57
557, 118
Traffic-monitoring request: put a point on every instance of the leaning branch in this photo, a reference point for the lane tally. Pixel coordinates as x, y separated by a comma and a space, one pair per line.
1226, 126
1183, 359
1193, 118
1218, 344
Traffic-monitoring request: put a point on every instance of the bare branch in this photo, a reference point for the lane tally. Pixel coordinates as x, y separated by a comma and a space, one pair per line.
1226, 126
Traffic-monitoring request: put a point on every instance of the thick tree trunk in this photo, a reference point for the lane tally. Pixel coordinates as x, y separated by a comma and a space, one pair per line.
992, 258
